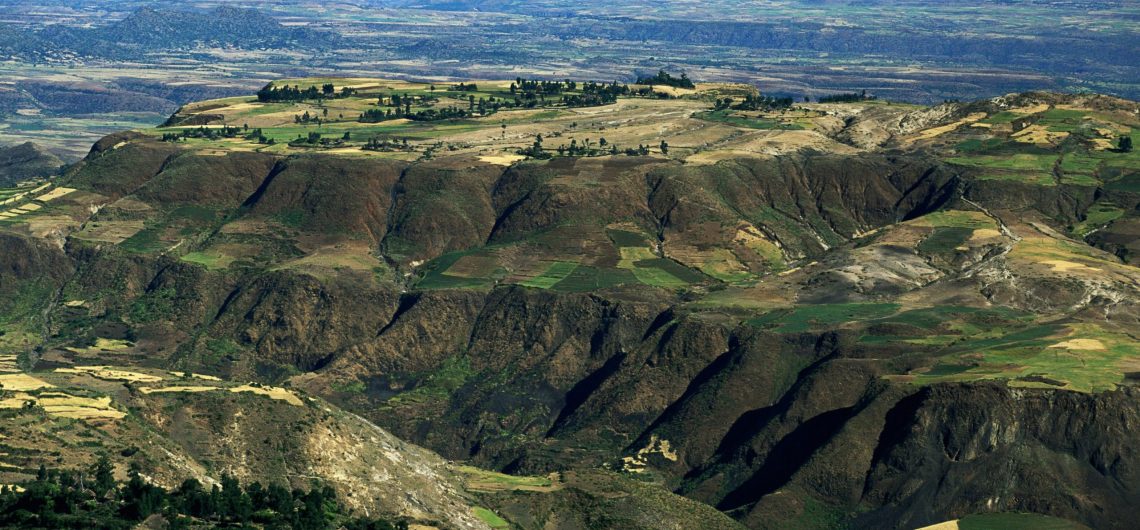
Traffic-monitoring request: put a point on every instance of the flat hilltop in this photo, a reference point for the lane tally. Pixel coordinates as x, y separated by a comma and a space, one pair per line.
640, 115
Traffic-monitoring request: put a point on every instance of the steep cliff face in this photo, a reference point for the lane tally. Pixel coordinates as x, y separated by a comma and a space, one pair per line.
995, 448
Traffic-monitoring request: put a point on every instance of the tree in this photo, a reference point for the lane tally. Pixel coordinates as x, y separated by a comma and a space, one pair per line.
664, 148
104, 474
1124, 144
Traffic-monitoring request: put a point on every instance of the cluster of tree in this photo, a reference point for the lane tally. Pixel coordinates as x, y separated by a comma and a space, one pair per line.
595, 94
586, 149
92, 498
446, 113
316, 139
664, 78
538, 86
209, 133
463, 87
386, 144
1124, 144
759, 102
257, 135
307, 118
845, 98
272, 94
406, 101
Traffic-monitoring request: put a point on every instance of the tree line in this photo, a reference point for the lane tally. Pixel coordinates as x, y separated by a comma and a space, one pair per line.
273, 94
664, 78
94, 499
755, 102
586, 149
852, 97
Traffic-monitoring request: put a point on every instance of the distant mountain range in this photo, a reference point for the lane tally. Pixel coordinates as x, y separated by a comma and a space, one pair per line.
149, 29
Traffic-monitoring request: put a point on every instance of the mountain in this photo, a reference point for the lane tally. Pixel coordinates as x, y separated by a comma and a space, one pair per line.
25, 162
149, 30
227, 26
759, 312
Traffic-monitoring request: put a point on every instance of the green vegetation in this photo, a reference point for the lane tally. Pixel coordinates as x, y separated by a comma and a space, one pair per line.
92, 498
145, 241
1098, 215
672, 269
803, 318
945, 240
211, 260
657, 278
1036, 179
956, 219
1086, 359
436, 276
1019, 161
436, 385
586, 278
975, 145
491, 480
491, 518
625, 238
664, 78
154, 305
557, 272
736, 120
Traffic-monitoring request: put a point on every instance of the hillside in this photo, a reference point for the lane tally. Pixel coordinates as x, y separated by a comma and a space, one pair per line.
27, 161
854, 313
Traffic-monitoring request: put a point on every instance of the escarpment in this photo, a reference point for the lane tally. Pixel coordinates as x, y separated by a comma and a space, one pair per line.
937, 323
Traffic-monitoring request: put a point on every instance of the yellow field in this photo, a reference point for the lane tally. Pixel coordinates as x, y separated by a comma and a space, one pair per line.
54, 194
279, 394
177, 389
934, 132
110, 374
22, 382
197, 376
68, 406
8, 364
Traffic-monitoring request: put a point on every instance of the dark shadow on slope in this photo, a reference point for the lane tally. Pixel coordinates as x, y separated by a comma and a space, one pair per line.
788, 456
582, 391
407, 302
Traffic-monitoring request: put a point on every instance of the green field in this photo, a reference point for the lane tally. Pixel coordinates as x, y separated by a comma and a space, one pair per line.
730, 118
1097, 216
557, 272
436, 277
625, 238
807, 317
211, 260
1020, 162
587, 278
1082, 358
945, 240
